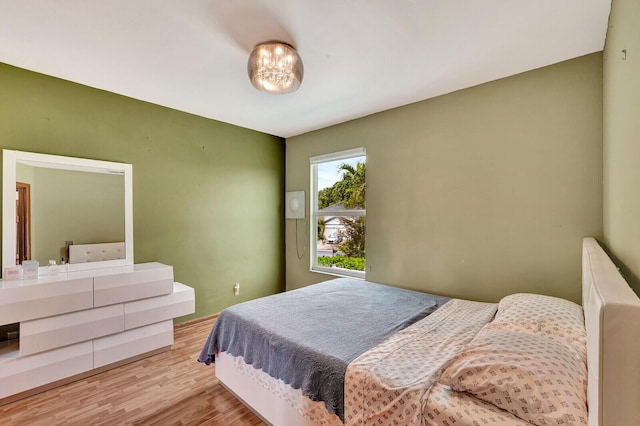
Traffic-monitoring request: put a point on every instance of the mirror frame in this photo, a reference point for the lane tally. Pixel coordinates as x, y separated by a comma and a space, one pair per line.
9, 160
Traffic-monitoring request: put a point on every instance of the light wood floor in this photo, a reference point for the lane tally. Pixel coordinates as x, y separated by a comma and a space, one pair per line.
171, 388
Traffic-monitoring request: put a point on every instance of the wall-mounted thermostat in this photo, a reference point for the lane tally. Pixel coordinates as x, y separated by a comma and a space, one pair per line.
294, 205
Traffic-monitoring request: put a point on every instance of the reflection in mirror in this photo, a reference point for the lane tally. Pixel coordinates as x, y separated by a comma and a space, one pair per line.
59, 216
63, 201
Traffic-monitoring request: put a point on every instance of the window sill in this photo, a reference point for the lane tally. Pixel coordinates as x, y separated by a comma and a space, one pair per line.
339, 272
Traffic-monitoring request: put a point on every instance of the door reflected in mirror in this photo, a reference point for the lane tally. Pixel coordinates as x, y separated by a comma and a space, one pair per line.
23, 222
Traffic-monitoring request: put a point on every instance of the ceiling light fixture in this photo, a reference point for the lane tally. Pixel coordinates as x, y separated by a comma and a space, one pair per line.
275, 67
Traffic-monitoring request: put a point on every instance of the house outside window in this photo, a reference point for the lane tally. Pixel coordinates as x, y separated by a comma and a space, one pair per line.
338, 212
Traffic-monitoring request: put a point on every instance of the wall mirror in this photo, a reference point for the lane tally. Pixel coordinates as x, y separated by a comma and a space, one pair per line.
53, 205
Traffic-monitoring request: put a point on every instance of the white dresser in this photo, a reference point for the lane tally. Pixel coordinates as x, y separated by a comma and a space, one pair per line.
77, 323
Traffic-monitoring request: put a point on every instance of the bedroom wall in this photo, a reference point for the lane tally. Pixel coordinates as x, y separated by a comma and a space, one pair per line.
208, 196
475, 194
622, 138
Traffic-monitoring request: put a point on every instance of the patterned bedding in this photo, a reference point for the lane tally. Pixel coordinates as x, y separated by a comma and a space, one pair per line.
522, 361
398, 374
445, 406
530, 361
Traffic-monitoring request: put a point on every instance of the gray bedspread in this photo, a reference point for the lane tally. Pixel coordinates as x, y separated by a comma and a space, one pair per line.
307, 337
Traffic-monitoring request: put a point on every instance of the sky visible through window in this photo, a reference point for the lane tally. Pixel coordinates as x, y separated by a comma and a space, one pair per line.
339, 238
328, 172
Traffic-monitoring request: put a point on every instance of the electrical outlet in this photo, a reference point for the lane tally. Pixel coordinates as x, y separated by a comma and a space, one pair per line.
236, 289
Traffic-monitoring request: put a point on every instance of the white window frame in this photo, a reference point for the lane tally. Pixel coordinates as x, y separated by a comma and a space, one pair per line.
313, 208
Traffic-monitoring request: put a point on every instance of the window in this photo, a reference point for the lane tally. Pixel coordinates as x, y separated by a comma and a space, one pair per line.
338, 213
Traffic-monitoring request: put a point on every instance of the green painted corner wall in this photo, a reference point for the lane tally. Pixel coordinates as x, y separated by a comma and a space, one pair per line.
476, 194
208, 196
621, 109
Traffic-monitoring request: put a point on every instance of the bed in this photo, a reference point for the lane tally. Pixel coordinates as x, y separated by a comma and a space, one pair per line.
438, 361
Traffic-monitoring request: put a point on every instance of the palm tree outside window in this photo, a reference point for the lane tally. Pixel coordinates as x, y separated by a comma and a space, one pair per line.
339, 212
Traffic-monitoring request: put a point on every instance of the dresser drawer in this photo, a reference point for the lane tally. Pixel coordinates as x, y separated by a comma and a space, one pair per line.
144, 280
45, 298
28, 372
130, 343
54, 332
155, 309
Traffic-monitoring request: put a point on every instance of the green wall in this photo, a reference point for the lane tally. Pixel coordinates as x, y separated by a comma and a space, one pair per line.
475, 194
208, 196
622, 138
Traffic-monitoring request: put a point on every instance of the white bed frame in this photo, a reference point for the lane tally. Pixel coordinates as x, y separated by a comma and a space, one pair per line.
612, 318
265, 404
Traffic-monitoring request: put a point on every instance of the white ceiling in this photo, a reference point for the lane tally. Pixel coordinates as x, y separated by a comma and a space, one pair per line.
360, 56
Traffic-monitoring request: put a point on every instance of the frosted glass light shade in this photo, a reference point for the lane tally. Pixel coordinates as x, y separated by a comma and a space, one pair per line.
275, 67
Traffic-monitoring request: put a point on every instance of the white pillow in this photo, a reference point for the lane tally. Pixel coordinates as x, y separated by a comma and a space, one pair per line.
543, 315
534, 377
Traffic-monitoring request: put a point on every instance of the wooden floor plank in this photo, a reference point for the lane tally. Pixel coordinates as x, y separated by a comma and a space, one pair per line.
170, 388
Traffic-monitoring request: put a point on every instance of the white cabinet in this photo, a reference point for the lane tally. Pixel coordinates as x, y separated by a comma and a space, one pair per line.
74, 323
